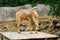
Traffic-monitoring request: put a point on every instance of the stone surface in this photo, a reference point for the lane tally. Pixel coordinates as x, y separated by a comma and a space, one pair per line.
26, 35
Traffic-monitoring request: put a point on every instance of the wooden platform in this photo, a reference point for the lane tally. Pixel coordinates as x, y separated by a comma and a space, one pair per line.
26, 35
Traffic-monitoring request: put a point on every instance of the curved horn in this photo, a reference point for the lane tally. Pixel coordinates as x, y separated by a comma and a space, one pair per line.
33, 8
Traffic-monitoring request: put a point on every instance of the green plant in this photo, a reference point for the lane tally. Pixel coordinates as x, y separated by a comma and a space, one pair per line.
54, 10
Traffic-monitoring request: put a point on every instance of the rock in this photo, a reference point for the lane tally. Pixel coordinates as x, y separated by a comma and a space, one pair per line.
58, 33
24, 25
8, 13
55, 22
42, 10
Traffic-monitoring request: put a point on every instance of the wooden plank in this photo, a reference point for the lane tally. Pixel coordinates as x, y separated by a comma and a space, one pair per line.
26, 35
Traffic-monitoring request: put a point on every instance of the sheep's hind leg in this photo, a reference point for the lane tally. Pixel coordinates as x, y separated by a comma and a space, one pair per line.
30, 25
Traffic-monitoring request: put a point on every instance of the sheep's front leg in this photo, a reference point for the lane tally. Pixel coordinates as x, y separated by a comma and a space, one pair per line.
18, 20
30, 25
18, 27
35, 25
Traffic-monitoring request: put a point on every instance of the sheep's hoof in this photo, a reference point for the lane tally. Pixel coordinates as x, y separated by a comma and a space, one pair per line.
19, 32
36, 32
31, 32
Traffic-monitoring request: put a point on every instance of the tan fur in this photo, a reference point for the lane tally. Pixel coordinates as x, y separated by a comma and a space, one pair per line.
29, 15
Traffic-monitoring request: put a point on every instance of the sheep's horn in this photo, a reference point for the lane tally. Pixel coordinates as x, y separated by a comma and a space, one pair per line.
33, 8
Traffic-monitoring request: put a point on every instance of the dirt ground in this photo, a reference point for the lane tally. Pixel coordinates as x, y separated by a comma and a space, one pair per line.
12, 26
8, 26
